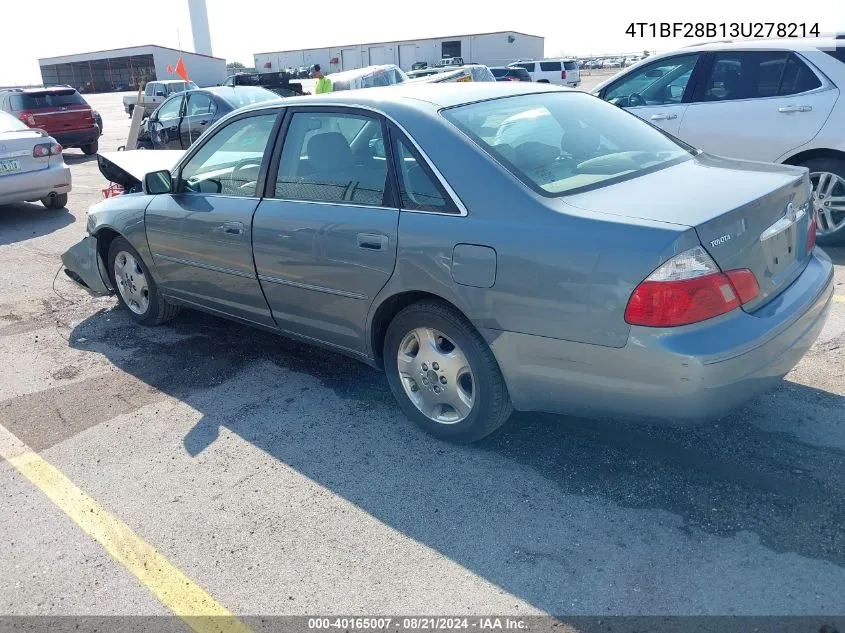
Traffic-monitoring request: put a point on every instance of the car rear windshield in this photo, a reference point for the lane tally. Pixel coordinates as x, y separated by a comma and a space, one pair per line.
245, 95
51, 99
570, 66
521, 73
499, 72
562, 142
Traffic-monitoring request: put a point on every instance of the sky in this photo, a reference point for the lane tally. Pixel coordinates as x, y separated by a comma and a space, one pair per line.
240, 28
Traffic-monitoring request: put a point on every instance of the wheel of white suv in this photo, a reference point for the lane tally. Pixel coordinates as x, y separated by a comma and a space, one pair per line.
136, 289
443, 373
828, 178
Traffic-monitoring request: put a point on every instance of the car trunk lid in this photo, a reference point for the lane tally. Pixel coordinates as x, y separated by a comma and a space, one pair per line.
746, 215
16, 152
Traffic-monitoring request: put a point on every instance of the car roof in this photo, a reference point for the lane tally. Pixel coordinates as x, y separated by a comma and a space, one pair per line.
793, 44
435, 96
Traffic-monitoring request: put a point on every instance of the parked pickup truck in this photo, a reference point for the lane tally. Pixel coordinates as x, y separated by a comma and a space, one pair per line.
155, 92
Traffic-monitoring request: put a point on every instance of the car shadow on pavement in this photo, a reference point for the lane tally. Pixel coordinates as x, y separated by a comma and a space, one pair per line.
24, 220
504, 508
78, 159
837, 254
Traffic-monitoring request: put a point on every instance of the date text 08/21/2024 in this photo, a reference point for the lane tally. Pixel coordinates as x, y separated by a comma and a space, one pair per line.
723, 29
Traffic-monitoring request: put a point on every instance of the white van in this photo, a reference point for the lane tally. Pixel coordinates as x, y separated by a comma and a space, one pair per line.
563, 72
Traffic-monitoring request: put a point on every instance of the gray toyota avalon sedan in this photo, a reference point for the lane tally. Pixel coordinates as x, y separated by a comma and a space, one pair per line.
491, 246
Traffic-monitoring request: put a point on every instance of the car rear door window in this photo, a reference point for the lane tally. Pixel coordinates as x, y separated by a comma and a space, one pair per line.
747, 75
333, 157
419, 189
570, 66
550, 66
230, 161
797, 78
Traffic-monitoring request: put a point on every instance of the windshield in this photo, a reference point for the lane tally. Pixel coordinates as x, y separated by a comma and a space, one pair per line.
35, 100
561, 142
245, 95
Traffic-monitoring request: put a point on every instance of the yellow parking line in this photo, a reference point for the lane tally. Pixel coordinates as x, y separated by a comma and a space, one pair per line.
174, 589
839, 298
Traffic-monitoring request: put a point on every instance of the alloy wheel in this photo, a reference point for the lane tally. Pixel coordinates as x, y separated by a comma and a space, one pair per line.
828, 201
436, 375
131, 283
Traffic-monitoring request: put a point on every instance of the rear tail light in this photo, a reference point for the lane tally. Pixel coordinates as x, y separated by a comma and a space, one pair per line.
687, 289
811, 234
563, 74
27, 118
46, 149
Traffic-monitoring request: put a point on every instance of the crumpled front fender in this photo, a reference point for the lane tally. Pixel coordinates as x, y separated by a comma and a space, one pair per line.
84, 266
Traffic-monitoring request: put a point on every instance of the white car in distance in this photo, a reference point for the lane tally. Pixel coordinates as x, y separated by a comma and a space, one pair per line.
775, 101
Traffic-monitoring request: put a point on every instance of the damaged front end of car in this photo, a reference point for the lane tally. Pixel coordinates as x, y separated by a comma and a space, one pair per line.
84, 266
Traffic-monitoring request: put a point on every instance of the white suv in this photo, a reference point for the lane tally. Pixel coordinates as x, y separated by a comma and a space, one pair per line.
563, 72
770, 100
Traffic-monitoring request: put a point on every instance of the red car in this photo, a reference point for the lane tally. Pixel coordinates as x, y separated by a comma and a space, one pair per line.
59, 111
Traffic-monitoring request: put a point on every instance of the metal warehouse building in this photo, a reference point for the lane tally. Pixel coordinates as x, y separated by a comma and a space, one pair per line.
492, 49
103, 71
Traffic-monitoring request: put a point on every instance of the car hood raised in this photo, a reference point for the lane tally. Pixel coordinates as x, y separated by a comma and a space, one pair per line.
129, 168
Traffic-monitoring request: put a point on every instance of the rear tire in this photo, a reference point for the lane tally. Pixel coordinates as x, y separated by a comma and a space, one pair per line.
144, 145
91, 148
137, 291
467, 373
54, 203
131, 110
830, 221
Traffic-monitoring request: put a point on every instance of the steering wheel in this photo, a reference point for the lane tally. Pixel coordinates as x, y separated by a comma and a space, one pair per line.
635, 99
237, 181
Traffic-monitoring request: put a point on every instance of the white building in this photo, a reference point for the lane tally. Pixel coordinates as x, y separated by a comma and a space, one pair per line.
103, 71
492, 49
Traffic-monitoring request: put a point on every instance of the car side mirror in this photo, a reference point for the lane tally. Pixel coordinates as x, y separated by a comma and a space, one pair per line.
158, 182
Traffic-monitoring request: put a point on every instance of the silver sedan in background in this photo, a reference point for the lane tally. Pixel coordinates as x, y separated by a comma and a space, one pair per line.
600, 267
31, 166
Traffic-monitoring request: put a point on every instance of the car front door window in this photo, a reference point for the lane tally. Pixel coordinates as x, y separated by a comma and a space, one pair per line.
229, 163
170, 109
661, 83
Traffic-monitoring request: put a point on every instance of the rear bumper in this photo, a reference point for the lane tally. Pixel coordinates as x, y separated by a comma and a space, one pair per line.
35, 185
693, 373
84, 266
77, 138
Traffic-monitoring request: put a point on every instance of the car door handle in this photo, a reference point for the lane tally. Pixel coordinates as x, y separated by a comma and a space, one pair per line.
372, 241
663, 117
795, 108
232, 228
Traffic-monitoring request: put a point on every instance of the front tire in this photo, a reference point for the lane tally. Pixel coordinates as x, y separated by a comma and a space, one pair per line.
91, 148
828, 178
137, 291
443, 374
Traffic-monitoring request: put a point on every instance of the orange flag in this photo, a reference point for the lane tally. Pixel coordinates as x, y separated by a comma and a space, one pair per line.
181, 70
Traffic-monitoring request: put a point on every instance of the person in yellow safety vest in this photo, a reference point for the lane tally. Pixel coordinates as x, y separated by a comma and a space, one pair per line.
324, 84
